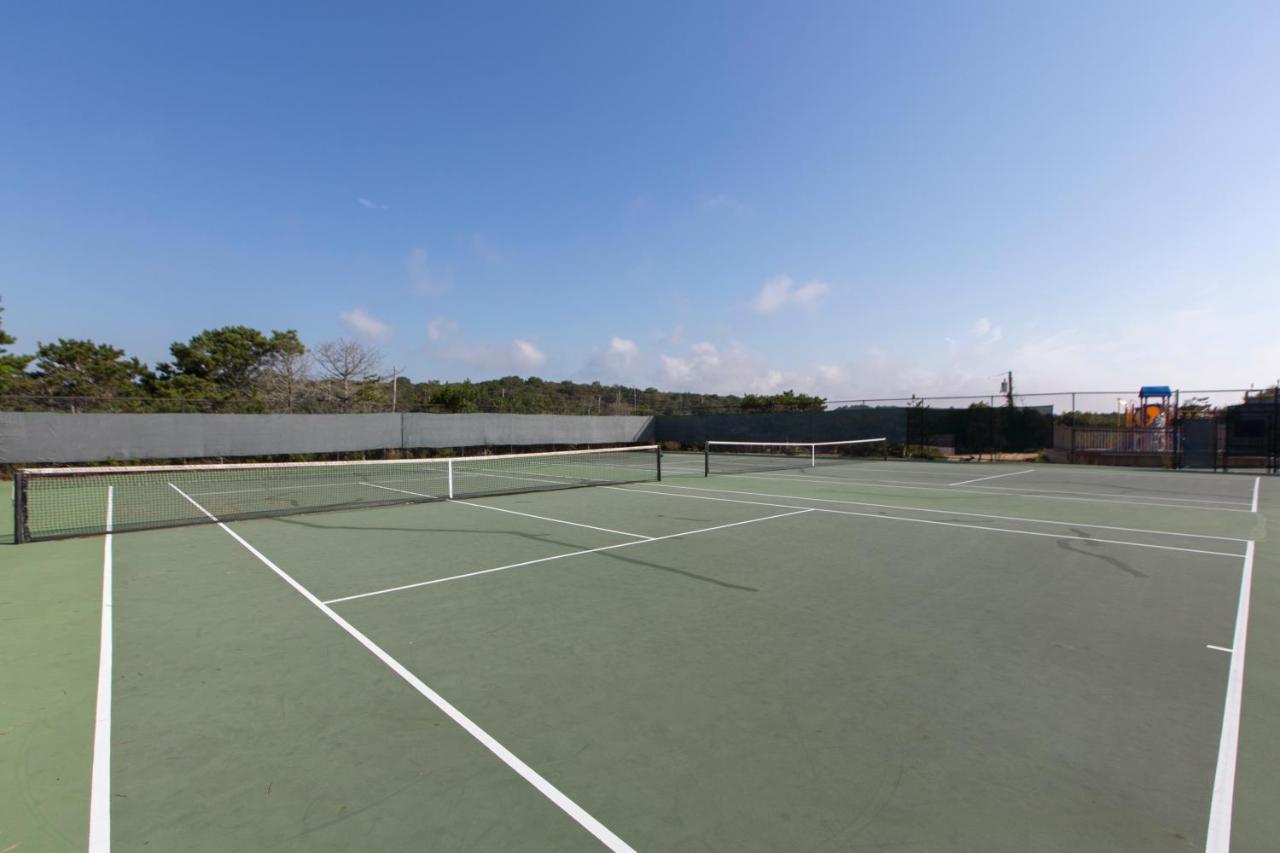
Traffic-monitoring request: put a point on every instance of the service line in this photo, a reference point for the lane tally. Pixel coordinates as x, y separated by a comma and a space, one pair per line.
579, 553
992, 477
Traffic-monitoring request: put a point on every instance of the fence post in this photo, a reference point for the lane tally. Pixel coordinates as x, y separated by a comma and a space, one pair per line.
1177, 429
1071, 457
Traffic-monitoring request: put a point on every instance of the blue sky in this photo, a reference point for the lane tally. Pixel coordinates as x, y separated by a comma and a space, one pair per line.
852, 199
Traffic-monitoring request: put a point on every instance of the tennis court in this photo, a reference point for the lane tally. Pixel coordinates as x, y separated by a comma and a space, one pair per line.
880, 655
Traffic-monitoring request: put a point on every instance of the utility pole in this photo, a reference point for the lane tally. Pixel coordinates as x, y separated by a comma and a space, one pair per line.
1007, 387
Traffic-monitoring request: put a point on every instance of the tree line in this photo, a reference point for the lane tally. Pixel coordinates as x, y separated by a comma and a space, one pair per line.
239, 369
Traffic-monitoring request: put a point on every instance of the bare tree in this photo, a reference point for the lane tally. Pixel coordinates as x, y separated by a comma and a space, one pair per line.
286, 378
346, 364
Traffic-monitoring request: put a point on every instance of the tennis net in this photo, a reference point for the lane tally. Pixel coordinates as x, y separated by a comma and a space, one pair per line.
54, 503
740, 457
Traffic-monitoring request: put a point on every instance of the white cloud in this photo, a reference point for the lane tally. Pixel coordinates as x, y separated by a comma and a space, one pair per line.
526, 355
439, 328
624, 349
830, 373
521, 355
985, 330
370, 205
706, 367
780, 292
360, 322
424, 280
620, 362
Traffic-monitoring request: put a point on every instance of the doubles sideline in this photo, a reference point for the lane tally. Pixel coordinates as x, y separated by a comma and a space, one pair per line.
655, 491
1011, 492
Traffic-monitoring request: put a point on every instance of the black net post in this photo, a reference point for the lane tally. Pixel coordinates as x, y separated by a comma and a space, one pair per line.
706, 459
659, 452
20, 534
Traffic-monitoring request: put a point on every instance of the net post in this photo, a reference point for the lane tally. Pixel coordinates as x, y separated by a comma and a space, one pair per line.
20, 532
813, 456
449, 468
706, 459
659, 463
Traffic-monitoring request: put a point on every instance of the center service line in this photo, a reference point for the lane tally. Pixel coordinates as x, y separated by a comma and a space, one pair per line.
551, 792
100, 778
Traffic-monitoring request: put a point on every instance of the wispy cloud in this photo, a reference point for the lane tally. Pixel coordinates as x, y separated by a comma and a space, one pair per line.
620, 361
425, 281
521, 355
360, 322
439, 328
484, 250
370, 205
724, 204
781, 292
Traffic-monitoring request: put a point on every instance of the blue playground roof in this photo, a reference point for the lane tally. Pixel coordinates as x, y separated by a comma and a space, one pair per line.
1155, 391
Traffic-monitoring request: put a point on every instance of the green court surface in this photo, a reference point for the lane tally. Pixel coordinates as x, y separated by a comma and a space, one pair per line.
875, 656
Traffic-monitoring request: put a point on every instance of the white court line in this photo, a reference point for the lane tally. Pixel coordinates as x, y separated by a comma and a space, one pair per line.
279, 487
800, 511
1218, 648
401, 491
1218, 838
949, 512
988, 494
1046, 491
945, 524
993, 477
556, 520
513, 512
1041, 490
100, 785
1257, 484
551, 792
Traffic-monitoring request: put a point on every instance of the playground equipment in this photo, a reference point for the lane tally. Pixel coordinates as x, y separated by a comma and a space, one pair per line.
1154, 409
